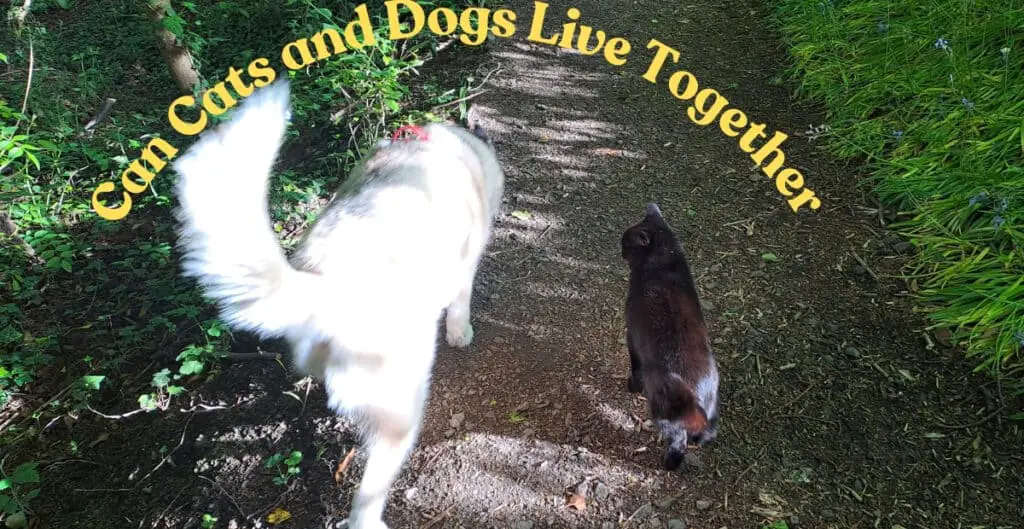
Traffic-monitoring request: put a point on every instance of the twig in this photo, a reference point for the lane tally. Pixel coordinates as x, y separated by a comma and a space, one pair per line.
251, 356
434, 521
115, 417
459, 100
227, 495
165, 459
39, 409
71, 176
202, 408
100, 116
979, 422
169, 505
866, 267
749, 468
31, 67
798, 397
486, 78
169, 454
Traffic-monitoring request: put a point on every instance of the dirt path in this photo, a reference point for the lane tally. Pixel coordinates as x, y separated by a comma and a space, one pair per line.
836, 410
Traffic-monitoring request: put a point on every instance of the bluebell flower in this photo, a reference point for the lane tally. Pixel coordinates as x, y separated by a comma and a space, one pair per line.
883, 27
1004, 53
980, 197
967, 103
1003, 204
942, 44
998, 221
1019, 336
898, 134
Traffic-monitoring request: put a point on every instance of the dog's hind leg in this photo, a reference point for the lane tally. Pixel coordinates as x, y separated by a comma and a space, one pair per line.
392, 434
458, 327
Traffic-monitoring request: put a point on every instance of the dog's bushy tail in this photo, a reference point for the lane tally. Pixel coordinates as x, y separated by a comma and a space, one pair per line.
226, 235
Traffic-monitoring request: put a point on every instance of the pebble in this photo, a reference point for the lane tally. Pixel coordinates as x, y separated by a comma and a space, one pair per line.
676, 524
456, 420
608, 525
600, 491
524, 524
903, 247
703, 505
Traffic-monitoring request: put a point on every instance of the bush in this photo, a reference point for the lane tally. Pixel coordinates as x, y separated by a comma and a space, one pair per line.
931, 94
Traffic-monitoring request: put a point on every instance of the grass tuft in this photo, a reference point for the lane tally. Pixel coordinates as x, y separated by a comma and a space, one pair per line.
931, 94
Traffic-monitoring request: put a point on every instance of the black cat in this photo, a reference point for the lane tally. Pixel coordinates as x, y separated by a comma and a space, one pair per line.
670, 356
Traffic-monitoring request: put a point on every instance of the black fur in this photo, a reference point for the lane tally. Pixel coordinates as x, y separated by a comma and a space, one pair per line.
670, 356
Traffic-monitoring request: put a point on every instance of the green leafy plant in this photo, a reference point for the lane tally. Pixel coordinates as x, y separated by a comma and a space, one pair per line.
18, 488
208, 521
161, 398
286, 467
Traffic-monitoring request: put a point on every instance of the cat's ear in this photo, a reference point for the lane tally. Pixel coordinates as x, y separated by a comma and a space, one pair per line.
640, 238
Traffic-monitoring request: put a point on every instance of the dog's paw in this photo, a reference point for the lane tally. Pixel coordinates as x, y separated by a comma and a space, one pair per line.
371, 524
460, 335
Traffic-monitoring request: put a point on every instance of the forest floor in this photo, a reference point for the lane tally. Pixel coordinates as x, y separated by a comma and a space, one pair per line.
838, 409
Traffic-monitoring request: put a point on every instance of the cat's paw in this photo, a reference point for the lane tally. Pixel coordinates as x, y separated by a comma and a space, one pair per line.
460, 335
673, 460
634, 384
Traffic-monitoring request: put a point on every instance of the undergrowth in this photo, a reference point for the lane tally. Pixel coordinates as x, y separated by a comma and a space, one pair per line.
93, 313
931, 95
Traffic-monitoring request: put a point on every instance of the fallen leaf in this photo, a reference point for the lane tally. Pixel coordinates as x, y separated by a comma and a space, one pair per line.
769, 257
278, 515
343, 465
522, 215
544, 139
934, 435
577, 501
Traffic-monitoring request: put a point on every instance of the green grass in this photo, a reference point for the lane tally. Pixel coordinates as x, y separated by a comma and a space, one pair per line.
92, 310
930, 94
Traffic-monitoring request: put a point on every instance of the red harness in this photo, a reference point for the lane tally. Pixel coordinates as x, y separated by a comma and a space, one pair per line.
414, 129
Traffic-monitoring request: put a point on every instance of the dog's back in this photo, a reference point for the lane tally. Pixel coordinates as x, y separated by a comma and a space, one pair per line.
422, 209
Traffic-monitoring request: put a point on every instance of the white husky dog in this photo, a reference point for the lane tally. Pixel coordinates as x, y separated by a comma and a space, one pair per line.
361, 298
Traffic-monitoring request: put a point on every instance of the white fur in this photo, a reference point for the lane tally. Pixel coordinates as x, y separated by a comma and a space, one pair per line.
384, 262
